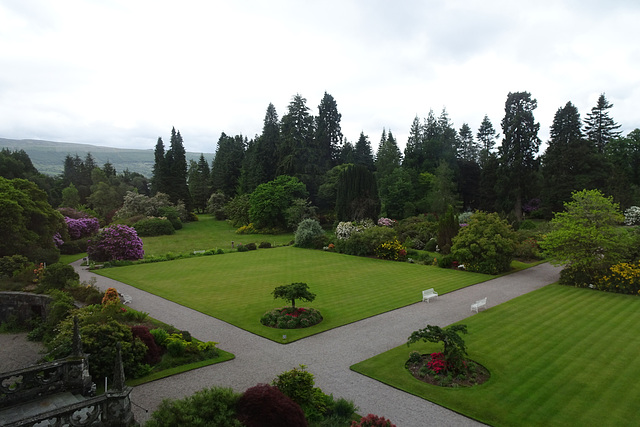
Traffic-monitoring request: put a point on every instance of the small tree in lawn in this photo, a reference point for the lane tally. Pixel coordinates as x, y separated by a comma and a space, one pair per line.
293, 292
455, 349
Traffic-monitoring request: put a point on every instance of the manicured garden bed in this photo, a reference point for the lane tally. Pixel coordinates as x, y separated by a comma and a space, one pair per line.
557, 356
237, 287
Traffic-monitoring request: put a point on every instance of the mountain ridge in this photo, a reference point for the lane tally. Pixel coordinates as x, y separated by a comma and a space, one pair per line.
48, 156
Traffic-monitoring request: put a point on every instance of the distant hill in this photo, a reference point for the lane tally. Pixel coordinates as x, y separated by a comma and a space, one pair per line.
48, 156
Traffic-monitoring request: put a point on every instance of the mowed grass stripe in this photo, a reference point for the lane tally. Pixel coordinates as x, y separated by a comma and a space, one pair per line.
576, 363
237, 287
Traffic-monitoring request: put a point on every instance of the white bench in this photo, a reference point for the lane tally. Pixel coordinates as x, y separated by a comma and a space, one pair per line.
479, 304
126, 299
428, 294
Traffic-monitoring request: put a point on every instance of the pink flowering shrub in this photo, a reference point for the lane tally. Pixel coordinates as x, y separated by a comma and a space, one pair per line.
372, 421
117, 242
82, 227
386, 222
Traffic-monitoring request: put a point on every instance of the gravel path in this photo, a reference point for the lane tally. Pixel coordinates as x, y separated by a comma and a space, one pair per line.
328, 355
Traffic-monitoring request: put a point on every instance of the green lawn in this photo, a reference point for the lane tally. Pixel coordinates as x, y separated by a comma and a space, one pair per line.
236, 287
207, 233
558, 356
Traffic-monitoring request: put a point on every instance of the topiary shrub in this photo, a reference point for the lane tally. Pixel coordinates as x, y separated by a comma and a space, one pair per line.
307, 234
154, 227
251, 246
264, 245
264, 405
209, 407
117, 242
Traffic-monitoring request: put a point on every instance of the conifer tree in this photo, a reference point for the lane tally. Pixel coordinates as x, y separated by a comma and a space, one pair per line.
357, 195
227, 164
518, 163
599, 127
363, 153
328, 136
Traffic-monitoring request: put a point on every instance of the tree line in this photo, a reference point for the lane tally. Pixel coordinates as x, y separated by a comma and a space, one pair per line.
440, 165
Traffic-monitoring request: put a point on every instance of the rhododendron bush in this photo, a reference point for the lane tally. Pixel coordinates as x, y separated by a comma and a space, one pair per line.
117, 242
82, 227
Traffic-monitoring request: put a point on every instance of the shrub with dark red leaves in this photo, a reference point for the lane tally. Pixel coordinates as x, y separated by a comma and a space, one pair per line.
372, 421
154, 353
264, 405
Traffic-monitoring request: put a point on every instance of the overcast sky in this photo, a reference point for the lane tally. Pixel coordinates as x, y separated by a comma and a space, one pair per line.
123, 73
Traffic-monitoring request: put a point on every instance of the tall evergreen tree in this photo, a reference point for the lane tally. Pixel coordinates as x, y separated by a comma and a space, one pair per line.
388, 157
357, 195
227, 164
328, 136
599, 127
467, 147
363, 153
160, 177
267, 146
413, 151
199, 183
177, 167
569, 164
518, 164
298, 154
487, 135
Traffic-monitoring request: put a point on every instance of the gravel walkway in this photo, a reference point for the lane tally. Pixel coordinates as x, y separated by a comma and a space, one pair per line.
328, 355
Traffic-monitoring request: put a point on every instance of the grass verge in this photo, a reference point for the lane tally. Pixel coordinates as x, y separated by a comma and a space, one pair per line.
237, 287
223, 357
558, 356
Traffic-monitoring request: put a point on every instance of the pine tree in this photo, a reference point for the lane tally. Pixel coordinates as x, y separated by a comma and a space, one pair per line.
199, 183
413, 152
227, 164
467, 147
160, 177
599, 127
328, 136
388, 157
518, 164
487, 137
569, 163
176, 162
363, 153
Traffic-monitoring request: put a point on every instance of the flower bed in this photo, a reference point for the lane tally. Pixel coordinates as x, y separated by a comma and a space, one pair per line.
432, 368
291, 318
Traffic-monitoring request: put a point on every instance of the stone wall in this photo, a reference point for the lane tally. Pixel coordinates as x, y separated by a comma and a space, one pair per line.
23, 306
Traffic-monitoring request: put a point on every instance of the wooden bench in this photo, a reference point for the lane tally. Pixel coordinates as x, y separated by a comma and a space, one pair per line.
479, 304
126, 299
428, 294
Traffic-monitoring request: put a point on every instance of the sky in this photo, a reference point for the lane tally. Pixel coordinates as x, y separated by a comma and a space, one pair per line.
123, 73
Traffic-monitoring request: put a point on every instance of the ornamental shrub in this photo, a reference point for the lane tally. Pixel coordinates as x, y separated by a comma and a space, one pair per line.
81, 227
372, 421
117, 242
632, 216
366, 241
622, 278
486, 245
154, 353
392, 250
173, 215
159, 335
264, 245
215, 406
73, 247
309, 234
264, 405
154, 226
58, 276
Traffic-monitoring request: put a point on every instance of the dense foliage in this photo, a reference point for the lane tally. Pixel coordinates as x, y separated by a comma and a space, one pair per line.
293, 292
585, 238
309, 234
117, 242
455, 348
486, 245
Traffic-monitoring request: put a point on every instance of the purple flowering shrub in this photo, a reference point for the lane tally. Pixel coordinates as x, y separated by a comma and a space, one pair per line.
117, 242
82, 227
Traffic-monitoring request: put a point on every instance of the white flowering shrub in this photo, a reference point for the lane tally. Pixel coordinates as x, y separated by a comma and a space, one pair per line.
632, 216
464, 217
344, 230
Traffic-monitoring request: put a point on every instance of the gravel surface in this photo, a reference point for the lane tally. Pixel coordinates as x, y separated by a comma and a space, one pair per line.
17, 352
327, 355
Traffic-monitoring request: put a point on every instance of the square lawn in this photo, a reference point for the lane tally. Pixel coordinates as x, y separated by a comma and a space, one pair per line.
557, 356
236, 287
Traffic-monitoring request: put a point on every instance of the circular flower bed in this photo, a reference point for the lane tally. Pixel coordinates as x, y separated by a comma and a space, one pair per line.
432, 369
291, 318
